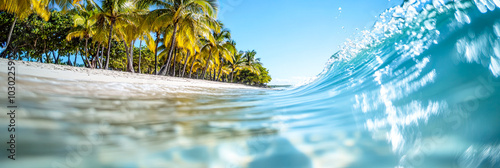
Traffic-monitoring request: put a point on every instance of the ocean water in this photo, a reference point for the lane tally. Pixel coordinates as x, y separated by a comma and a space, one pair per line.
419, 89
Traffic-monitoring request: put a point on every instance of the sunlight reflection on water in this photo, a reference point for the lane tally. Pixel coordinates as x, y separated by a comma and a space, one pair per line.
419, 90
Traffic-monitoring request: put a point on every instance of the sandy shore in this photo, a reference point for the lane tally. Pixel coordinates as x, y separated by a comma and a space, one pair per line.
65, 72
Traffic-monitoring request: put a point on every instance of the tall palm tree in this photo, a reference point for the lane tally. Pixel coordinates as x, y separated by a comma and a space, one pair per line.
189, 37
114, 13
157, 20
230, 49
179, 11
83, 24
100, 36
143, 35
220, 48
129, 33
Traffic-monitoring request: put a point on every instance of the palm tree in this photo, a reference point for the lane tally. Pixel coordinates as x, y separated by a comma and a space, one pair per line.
127, 34
157, 20
251, 63
143, 32
206, 54
196, 57
114, 13
189, 37
237, 65
131, 32
228, 49
100, 37
219, 48
83, 24
179, 11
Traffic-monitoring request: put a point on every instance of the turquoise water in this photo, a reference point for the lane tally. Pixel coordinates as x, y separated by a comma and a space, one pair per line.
419, 89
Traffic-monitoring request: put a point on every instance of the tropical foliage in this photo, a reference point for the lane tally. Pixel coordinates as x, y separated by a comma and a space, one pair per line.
180, 38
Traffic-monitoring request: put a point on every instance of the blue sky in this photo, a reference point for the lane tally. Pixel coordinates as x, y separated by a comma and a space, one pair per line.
295, 38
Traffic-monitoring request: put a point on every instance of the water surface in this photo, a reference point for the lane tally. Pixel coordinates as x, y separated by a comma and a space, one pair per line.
419, 89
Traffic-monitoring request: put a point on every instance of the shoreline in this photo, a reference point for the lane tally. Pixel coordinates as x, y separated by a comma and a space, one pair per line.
66, 72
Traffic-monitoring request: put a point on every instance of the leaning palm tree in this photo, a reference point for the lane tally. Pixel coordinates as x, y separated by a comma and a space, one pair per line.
113, 13
177, 11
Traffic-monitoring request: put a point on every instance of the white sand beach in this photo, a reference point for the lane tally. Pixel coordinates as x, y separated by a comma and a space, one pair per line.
65, 72
34, 77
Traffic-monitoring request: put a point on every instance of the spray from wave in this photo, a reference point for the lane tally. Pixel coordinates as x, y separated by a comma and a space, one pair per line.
424, 79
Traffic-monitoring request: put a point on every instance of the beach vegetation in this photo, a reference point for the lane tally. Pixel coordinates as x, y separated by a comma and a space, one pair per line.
180, 38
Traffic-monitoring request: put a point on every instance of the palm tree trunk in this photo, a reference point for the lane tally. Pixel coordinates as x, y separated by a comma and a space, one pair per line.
220, 68
84, 61
170, 52
140, 55
232, 74
69, 60
203, 73
185, 63
131, 62
56, 58
10, 32
43, 52
192, 65
206, 65
173, 62
76, 55
87, 53
101, 60
109, 44
96, 58
214, 74
156, 52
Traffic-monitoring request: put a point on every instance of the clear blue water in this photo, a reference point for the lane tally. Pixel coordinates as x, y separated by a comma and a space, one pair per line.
419, 89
